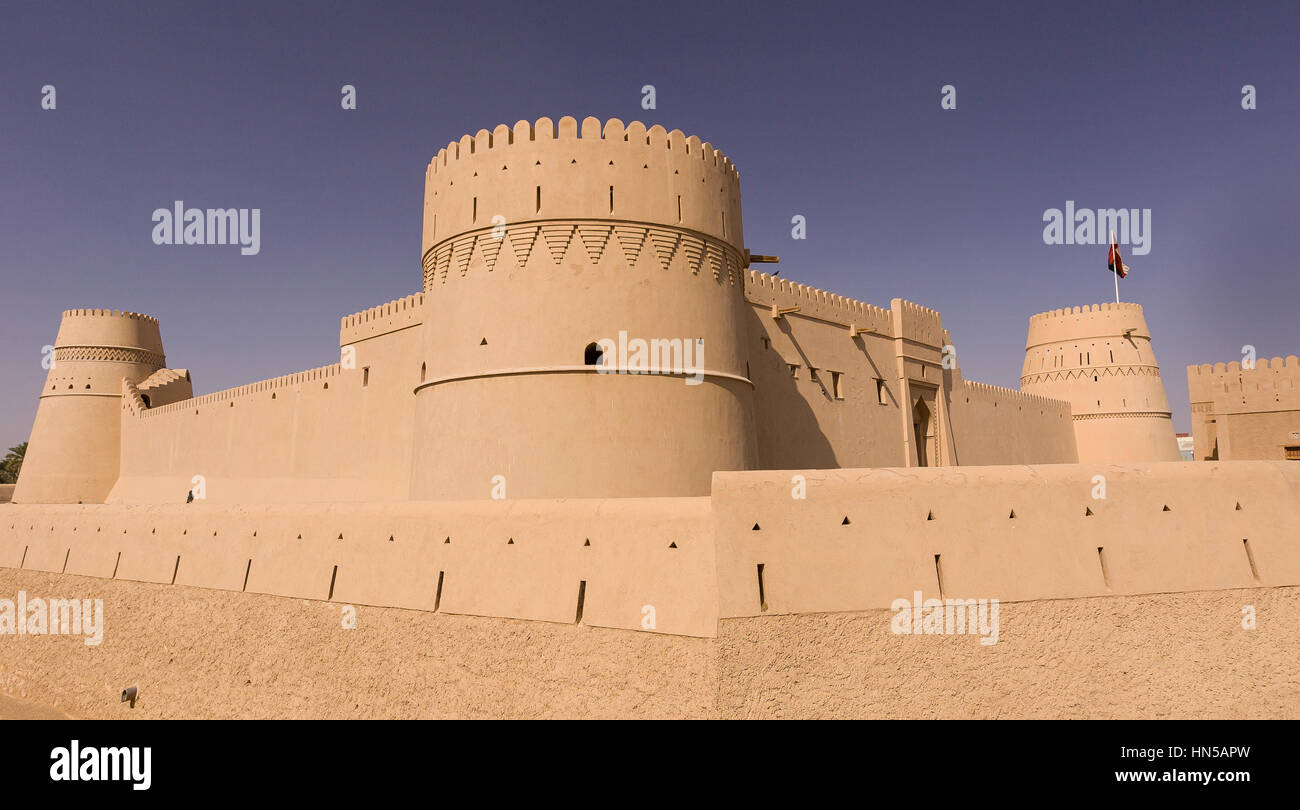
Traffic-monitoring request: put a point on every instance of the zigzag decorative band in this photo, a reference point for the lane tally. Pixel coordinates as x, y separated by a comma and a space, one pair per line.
595, 236
1078, 417
1090, 371
117, 354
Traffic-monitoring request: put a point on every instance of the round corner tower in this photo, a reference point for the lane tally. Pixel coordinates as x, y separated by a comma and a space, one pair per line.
1099, 359
568, 271
74, 451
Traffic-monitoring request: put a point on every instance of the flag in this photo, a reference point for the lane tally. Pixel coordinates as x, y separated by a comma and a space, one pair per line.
1114, 262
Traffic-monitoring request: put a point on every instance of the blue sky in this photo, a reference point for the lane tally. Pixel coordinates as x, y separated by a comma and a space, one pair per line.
831, 111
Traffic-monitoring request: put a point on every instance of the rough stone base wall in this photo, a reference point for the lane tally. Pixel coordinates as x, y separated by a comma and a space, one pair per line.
195, 652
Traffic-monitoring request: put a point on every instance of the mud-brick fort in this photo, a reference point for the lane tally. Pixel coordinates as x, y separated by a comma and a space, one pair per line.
596, 413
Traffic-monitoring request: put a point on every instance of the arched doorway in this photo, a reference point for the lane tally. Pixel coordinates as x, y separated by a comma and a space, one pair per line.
923, 430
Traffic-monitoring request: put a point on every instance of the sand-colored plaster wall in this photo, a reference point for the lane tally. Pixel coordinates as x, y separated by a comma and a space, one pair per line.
801, 421
1249, 413
1182, 655
993, 425
834, 376
338, 433
206, 653
1163, 527
626, 561
859, 540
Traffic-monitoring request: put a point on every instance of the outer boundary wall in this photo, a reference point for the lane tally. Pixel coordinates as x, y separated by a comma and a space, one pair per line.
859, 540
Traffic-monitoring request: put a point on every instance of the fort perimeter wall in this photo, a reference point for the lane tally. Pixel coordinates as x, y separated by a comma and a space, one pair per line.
337, 433
858, 541
1246, 413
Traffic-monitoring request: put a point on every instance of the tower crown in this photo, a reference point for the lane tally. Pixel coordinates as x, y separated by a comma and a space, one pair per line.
109, 334
74, 452
1099, 359
547, 171
544, 242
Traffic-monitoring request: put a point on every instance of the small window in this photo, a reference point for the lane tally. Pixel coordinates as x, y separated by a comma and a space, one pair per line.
1293, 454
882, 395
794, 370
837, 384
593, 355
423, 370
767, 342
365, 376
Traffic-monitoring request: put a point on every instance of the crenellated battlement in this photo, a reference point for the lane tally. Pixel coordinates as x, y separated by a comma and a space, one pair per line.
762, 288
1062, 329
322, 374
918, 311
1122, 306
395, 307
1275, 365
108, 313
655, 137
544, 172
917, 323
997, 391
401, 313
132, 402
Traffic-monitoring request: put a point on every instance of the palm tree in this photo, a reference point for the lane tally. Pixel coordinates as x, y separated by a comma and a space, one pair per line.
12, 464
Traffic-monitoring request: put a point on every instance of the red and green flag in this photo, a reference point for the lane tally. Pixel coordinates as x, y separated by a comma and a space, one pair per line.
1115, 262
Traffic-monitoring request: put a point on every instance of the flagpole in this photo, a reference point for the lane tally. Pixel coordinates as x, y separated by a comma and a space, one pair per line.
1119, 262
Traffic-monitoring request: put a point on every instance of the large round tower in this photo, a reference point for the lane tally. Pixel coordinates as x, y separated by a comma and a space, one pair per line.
1099, 359
73, 454
551, 251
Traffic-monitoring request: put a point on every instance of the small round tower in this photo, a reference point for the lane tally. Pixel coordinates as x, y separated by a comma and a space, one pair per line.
74, 451
1099, 359
551, 251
